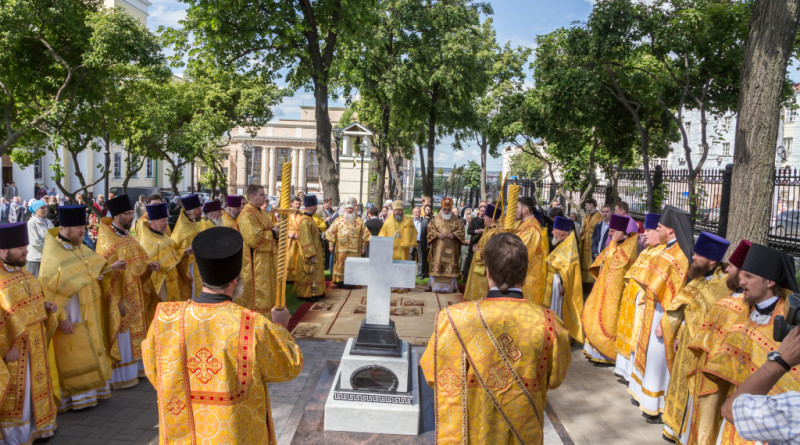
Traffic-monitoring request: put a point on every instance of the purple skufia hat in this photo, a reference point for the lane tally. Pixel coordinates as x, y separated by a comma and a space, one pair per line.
191, 202
13, 235
619, 222
493, 212
651, 221
157, 211
212, 206
711, 246
561, 223
233, 201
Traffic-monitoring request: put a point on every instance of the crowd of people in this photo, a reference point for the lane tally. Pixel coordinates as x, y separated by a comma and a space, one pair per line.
185, 294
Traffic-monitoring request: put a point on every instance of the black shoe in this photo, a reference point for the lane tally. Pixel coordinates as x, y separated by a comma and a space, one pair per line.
653, 420
634, 402
664, 436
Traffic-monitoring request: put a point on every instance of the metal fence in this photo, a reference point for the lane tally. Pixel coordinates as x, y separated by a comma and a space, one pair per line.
712, 189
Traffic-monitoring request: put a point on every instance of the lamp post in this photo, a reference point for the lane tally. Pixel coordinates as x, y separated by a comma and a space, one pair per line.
337, 134
247, 149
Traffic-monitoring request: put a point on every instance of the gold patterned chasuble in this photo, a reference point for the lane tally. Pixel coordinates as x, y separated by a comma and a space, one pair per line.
564, 260
309, 278
530, 232
228, 221
185, 231
210, 364
601, 311
490, 363
477, 284
142, 223
585, 245
444, 255
350, 239
259, 268
125, 286
686, 313
291, 257
739, 350
665, 276
404, 234
163, 284
630, 313
81, 358
24, 324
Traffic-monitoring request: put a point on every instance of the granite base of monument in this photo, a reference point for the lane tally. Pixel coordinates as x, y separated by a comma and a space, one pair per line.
374, 394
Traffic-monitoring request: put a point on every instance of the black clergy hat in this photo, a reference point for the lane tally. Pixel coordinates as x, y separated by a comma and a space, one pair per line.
309, 200
681, 222
71, 216
218, 252
772, 265
119, 204
13, 235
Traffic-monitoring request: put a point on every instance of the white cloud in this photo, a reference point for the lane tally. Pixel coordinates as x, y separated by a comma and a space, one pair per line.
166, 13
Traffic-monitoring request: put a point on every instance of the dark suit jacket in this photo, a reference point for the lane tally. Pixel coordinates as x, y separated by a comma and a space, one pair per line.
596, 244
423, 233
475, 224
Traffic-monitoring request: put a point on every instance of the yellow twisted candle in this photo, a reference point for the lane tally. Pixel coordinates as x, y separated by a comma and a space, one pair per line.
283, 239
499, 206
511, 207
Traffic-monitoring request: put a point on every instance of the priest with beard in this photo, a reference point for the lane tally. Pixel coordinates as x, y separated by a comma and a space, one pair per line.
309, 275
164, 283
445, 235
213, 211
564, 292
210, 360
477, 284
685, 314
767, 277
632, 304
28, 409
652, 357
529, 229
188, 226
402, 230
600, 313
347, 237
702, 417
259, 267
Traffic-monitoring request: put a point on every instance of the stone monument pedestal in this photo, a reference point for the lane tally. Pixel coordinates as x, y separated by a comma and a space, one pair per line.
372, 394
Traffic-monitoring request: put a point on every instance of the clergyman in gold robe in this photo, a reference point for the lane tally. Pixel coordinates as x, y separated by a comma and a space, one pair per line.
600, 313
294, 247
70, 276
259, 267
767, 278
233, 207
153, 199
490, 382
686, 313
632, 305
24, 336
309, 274
530, 231
591, 219
653, 354
188, 226
402, 230
703, 420
164, 283
347, 237
445, 235
564, 291
477, 285
210, 359
213, 212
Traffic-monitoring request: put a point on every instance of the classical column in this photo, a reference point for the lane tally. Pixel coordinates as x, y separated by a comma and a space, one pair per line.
264, 170
295, 160
301, 174
273, 172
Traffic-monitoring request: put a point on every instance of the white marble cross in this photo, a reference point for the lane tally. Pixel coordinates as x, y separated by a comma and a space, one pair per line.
380, 274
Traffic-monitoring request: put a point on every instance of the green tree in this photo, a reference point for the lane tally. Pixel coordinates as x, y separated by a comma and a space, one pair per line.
474, 175
524, 165
303, 38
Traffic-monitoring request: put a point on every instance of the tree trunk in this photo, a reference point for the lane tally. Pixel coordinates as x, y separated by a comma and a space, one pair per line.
484, 144
422, 169
380, 177
328, 176
107, 140
773, 25
427, 185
